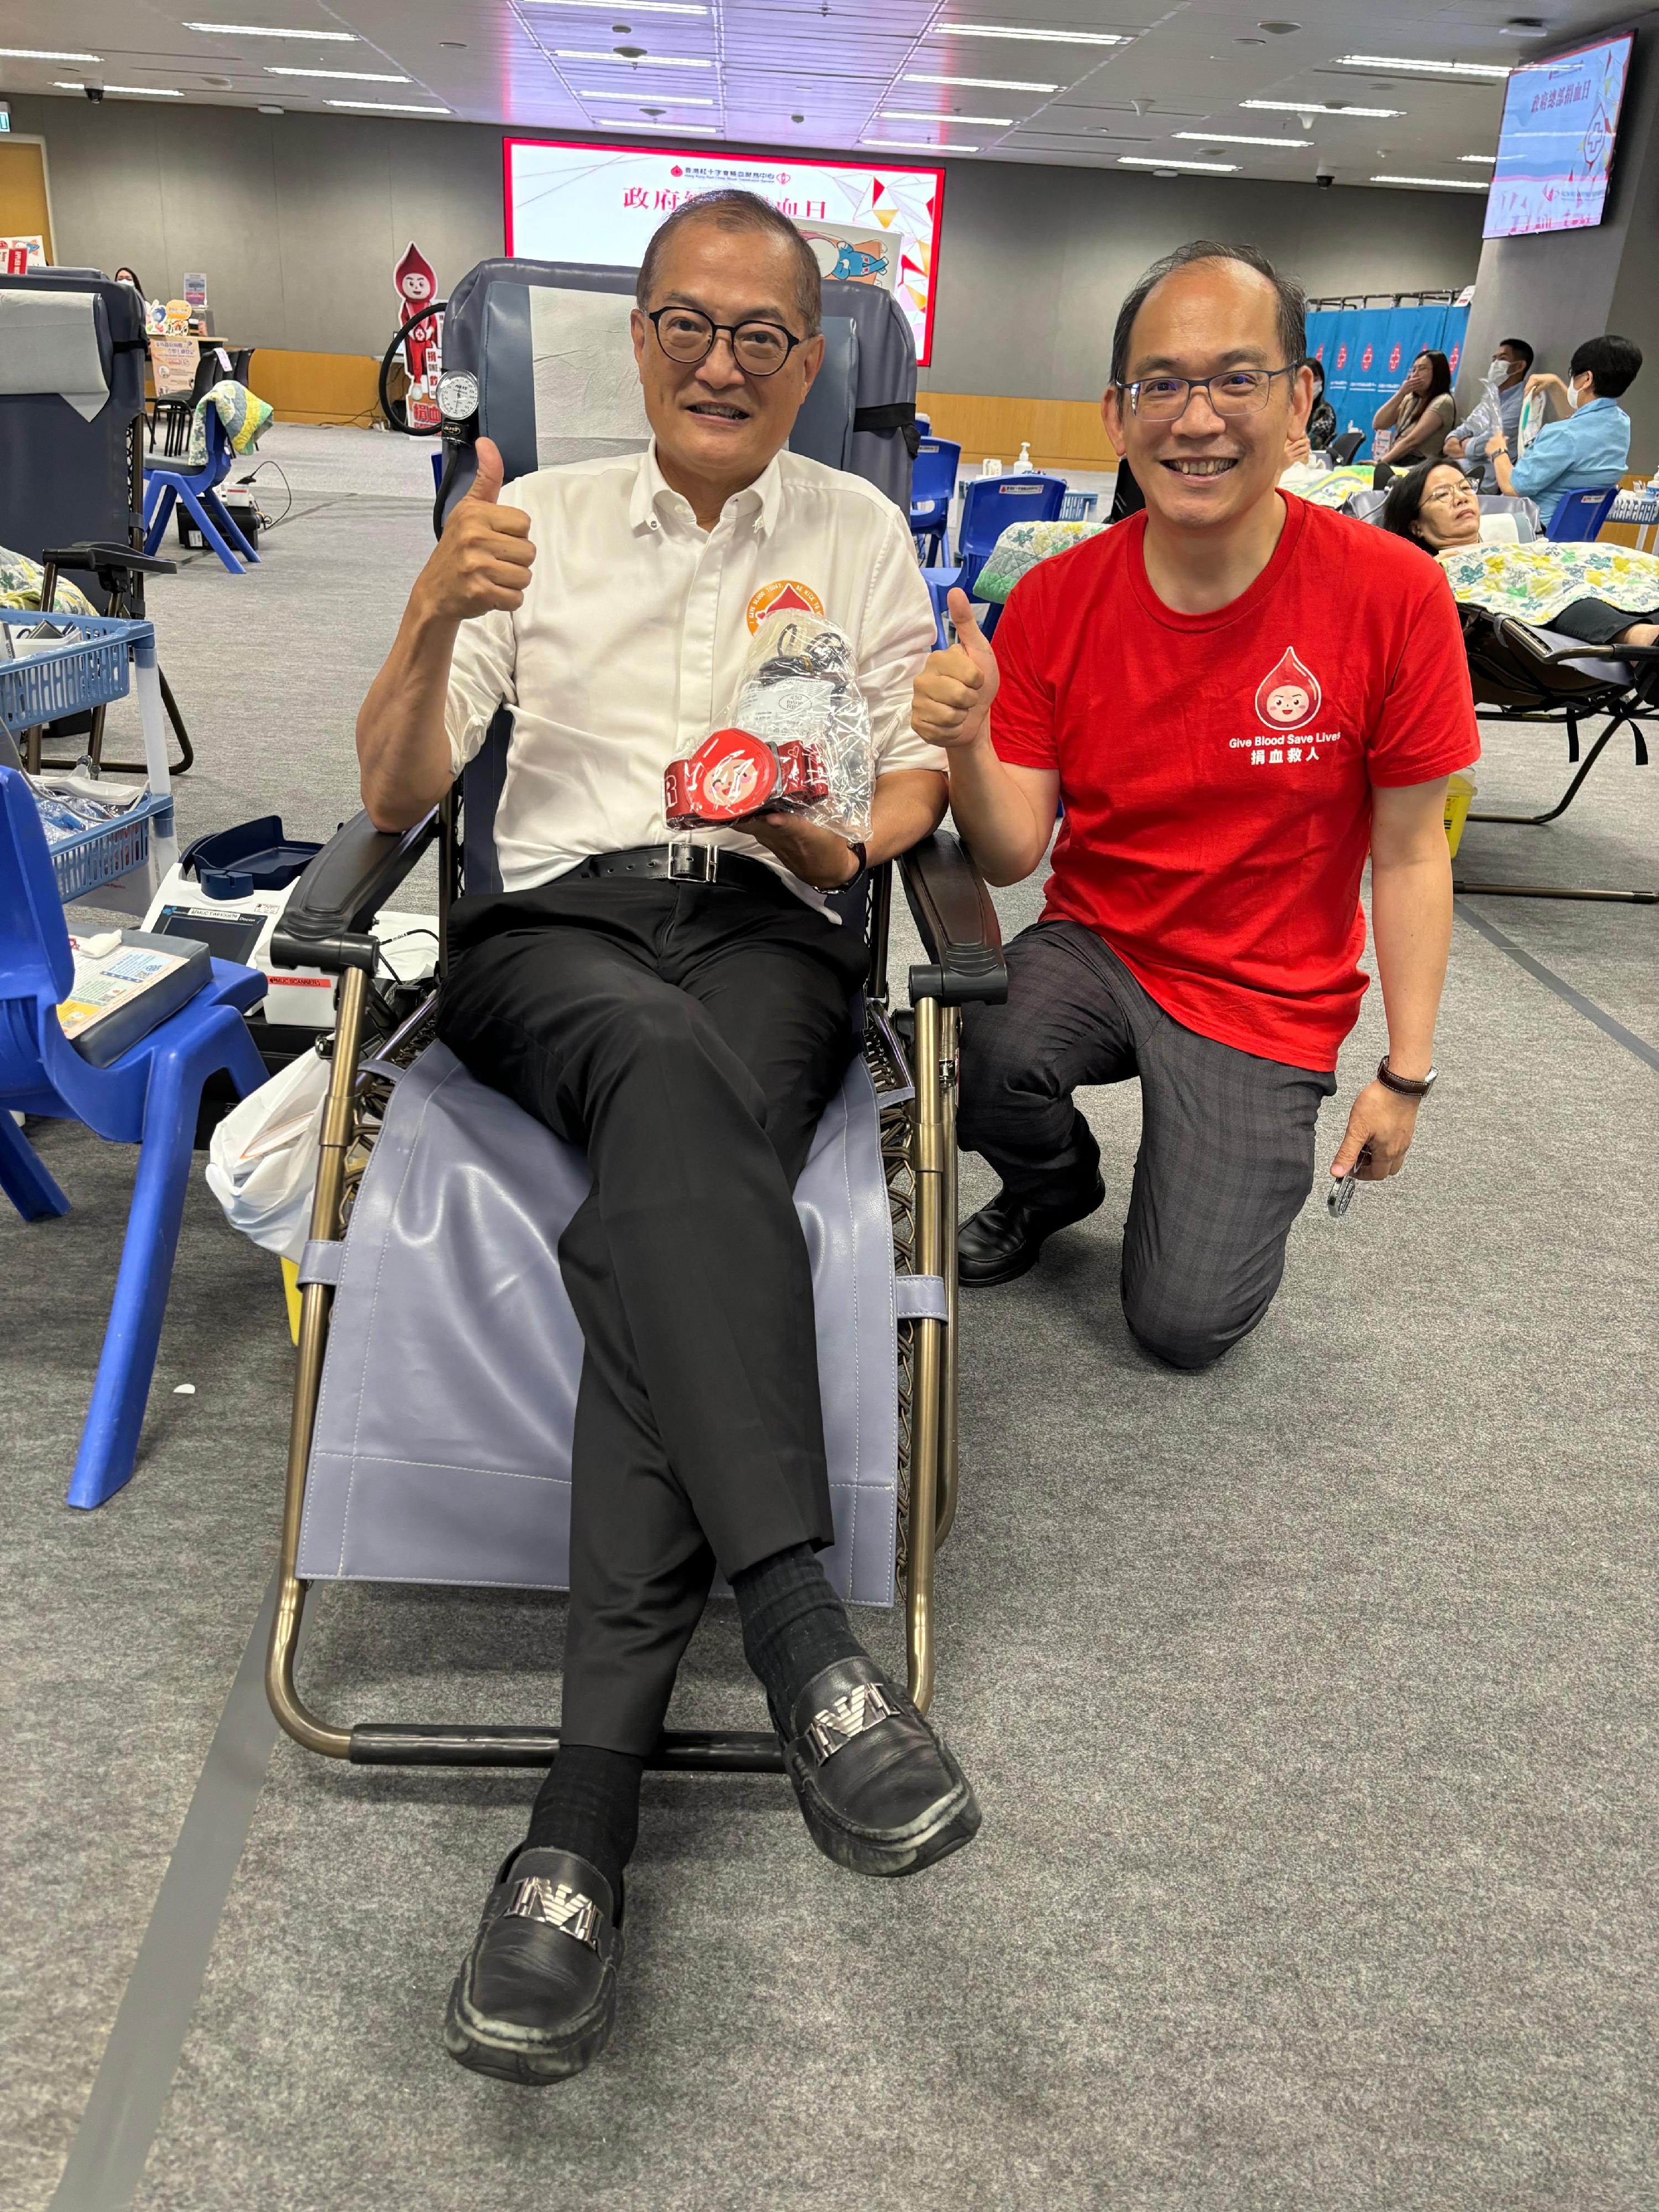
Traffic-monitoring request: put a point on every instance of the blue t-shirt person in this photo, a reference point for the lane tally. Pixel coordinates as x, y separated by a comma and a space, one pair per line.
1587, 451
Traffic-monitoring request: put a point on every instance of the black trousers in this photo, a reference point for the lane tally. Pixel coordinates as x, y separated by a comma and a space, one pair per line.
1594, 621
1226, 1157
688, 1037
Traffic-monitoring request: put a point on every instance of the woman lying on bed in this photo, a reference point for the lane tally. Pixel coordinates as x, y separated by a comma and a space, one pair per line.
1602, 594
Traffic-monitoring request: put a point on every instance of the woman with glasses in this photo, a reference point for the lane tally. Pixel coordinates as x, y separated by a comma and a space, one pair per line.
1436, 508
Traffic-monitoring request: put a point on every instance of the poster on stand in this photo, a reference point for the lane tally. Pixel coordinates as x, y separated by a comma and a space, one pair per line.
19, 255
417, 282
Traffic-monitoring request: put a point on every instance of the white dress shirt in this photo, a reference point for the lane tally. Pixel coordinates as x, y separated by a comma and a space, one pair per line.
626, 652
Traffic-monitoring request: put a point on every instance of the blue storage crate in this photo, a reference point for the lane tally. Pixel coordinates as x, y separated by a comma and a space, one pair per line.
71, 679
97, 856
1078, 506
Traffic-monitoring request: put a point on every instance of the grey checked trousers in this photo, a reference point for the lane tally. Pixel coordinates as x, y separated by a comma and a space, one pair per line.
1226, 1157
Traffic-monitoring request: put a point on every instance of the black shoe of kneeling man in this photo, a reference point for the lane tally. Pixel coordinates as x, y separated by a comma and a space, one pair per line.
1004, 1238
879, 1792
536, 1993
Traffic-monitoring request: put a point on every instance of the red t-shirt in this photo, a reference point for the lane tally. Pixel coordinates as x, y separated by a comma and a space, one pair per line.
1216, 769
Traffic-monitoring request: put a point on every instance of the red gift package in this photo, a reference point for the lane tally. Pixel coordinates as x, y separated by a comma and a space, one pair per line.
732, 775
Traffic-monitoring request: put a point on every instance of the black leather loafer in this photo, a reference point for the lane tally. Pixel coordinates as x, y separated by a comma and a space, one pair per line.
879, 1792
1003, 1239
536, 1993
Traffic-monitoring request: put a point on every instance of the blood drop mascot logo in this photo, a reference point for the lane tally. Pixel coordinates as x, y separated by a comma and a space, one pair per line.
1289, 696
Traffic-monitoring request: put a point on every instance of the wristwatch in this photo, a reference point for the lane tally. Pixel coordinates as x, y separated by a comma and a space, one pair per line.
855, 845
1408, 1086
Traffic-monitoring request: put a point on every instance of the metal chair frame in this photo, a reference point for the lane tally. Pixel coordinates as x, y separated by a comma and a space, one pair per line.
1512, 671
327, 924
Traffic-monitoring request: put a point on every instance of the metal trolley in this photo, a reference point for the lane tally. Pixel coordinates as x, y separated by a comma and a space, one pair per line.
78, 677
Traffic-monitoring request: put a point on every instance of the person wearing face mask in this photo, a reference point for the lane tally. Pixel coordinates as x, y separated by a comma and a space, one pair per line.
1231, 701
1511, 359
1435, 506
684, 1010
1590, 449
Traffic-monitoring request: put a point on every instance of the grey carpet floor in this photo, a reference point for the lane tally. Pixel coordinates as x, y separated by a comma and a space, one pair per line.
1309, 1701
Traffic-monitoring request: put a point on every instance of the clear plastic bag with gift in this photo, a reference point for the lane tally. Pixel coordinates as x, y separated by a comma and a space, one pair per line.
799, 741
1484, 420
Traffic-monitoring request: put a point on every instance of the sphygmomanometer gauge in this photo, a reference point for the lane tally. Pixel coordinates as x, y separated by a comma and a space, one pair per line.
458, 395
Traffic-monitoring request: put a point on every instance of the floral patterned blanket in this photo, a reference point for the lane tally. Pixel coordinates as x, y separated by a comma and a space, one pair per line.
1534, 582
1020, 547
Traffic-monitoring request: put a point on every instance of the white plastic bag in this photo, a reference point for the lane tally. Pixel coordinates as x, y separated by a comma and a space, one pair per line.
1485, 419
262, 1159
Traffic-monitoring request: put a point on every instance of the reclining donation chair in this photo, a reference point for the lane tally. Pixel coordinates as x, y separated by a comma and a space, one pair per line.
432, 1273
72, 484
1532, 675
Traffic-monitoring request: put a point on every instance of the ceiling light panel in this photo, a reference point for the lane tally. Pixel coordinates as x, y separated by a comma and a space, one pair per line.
1318, 107
1437, 184
663, 130
645, 61
1157, 161
338, 76
123, 91
265, 31
1488, 69
636, 7
919, 145
1030, 35
959, 122
1235, 138
981, 83
386, 107
44, 54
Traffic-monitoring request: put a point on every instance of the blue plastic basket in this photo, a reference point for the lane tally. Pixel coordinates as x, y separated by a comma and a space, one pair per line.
70, 678
86, 863
1078, 506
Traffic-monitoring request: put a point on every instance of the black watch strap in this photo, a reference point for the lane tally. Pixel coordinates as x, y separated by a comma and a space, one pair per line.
857, 845
1408, 1086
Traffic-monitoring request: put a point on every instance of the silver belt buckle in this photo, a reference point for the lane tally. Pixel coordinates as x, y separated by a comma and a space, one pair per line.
691, 863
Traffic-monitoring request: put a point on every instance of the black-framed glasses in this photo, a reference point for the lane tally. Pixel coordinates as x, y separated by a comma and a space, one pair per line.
759, 349
1235, 391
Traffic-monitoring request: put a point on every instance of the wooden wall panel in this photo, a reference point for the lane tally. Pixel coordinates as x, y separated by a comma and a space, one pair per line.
23, 209
1063, 432
317, 387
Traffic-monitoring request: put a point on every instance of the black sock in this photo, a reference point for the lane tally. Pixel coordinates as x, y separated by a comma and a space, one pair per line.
590, 1804
793, 1625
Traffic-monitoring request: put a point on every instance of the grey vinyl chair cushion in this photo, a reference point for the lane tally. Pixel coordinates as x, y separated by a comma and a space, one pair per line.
441, 1452
824, 429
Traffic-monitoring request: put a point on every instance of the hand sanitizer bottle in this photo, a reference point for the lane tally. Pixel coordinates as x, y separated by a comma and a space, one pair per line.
1023, 466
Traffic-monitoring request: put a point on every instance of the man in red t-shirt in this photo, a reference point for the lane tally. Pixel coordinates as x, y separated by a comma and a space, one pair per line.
1235, 697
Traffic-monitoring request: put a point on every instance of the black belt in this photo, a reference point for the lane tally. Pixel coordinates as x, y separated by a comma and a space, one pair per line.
683, 863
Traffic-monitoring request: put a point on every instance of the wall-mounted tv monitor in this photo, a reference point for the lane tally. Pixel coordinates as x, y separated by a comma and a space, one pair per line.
1555, 150
870, 224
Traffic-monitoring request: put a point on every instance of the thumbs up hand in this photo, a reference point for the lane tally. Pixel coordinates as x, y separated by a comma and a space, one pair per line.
955, 690
482, 561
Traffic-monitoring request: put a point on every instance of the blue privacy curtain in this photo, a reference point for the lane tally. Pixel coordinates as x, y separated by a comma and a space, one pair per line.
1366, 351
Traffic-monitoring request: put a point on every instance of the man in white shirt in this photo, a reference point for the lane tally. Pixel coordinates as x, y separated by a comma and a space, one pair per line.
682, 1010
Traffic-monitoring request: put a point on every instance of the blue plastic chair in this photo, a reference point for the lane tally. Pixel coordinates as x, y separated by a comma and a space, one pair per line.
1580, 516
165, 484
149, 1098
990, 504
932, 483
